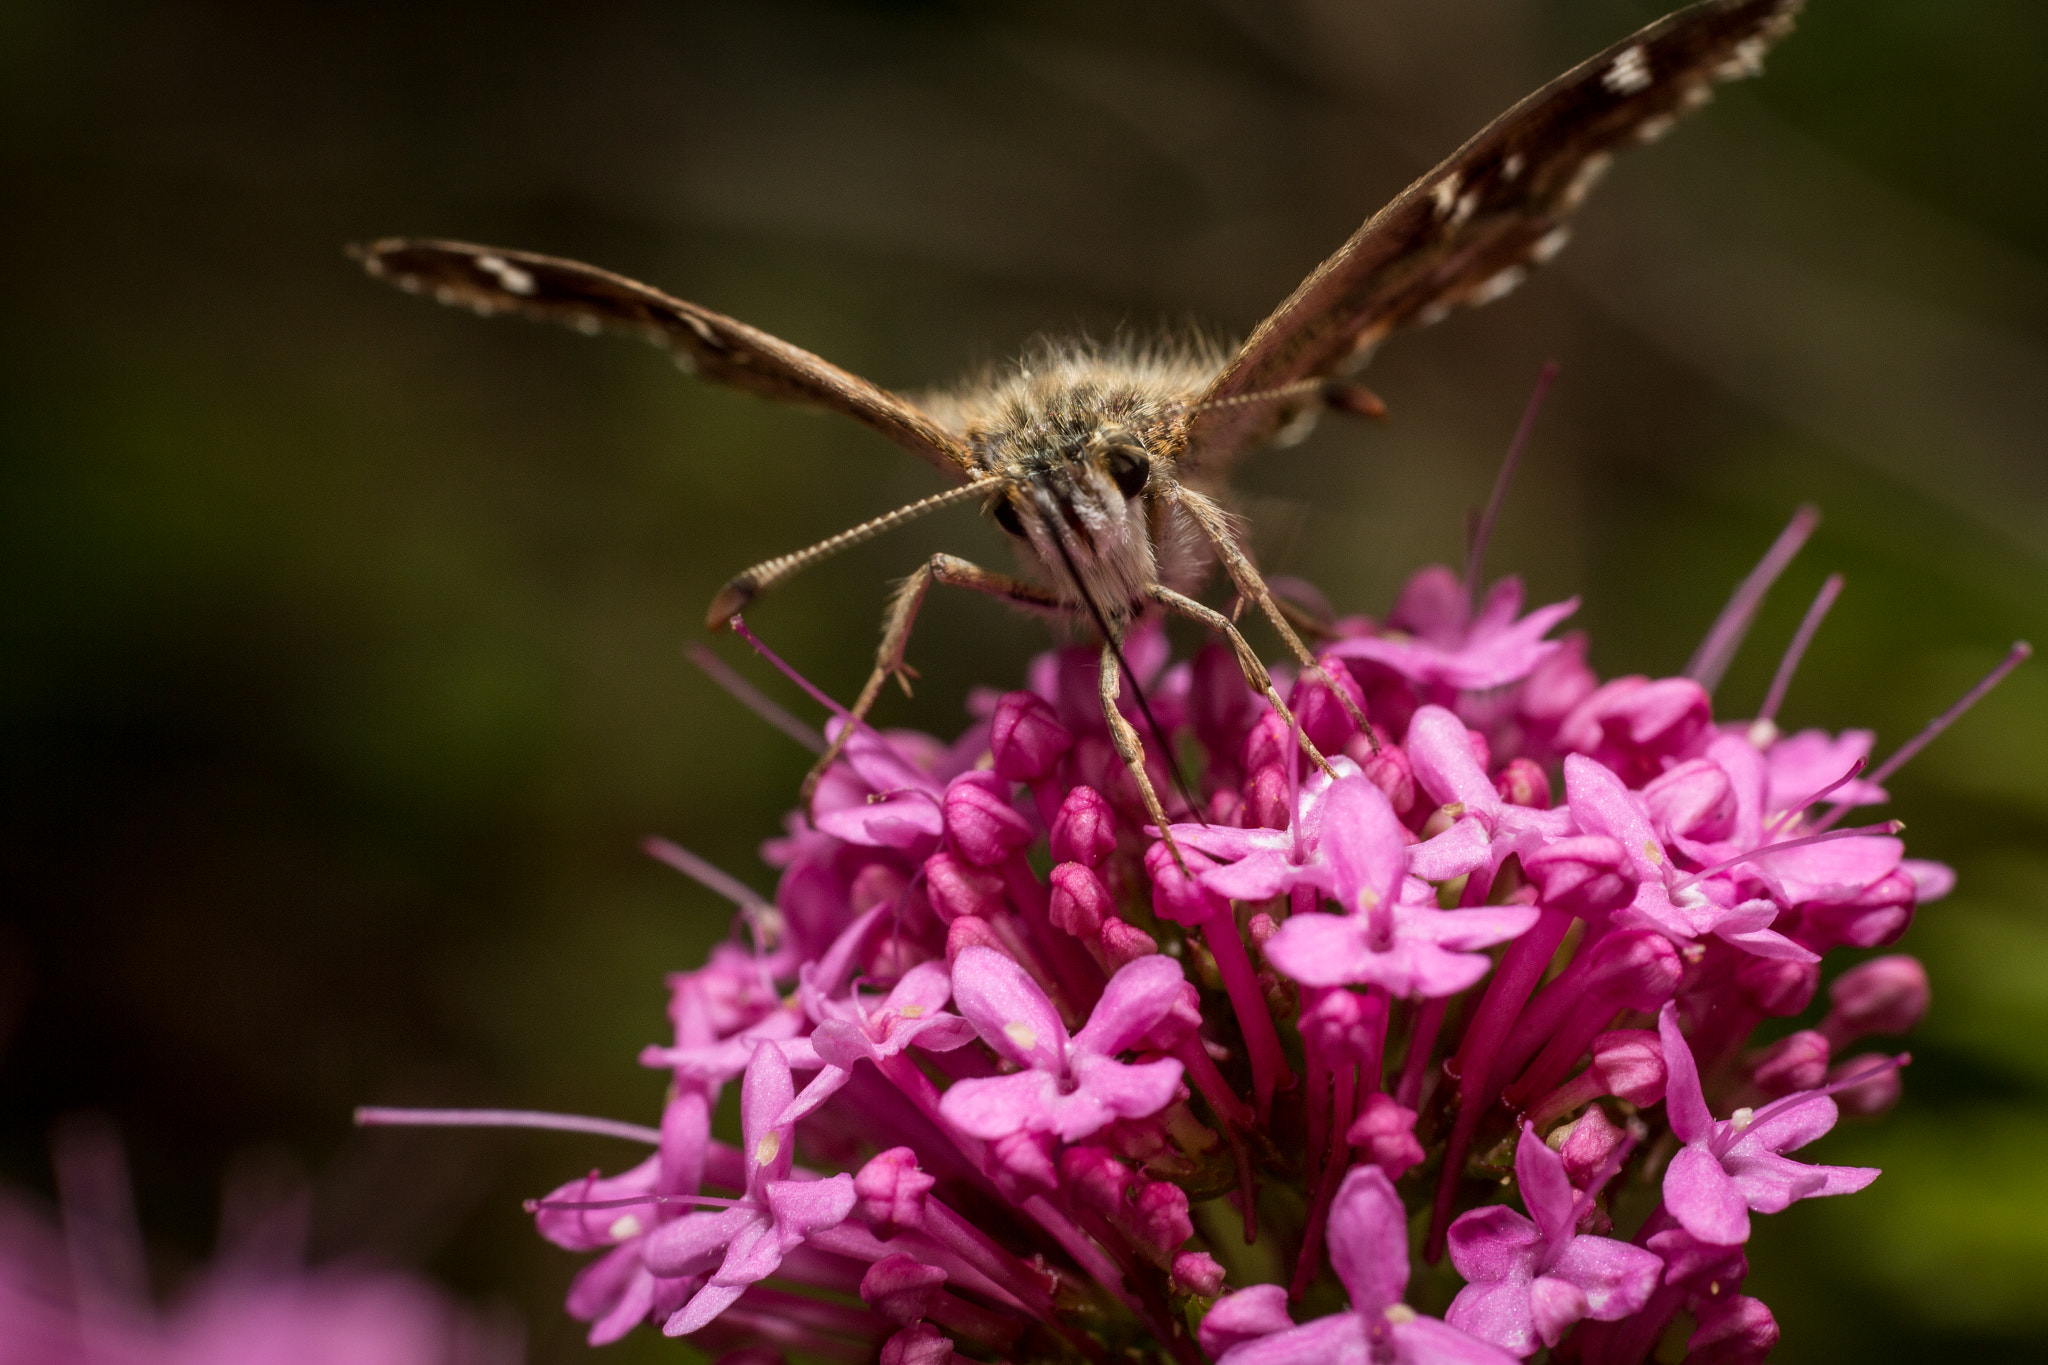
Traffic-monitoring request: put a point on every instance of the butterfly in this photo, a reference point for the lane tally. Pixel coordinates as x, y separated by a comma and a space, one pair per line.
1108, 467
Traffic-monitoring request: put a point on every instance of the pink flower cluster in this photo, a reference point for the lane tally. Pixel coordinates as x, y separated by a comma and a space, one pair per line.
1068, 1085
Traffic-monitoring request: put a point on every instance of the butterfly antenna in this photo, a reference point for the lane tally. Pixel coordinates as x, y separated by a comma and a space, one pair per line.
745, 587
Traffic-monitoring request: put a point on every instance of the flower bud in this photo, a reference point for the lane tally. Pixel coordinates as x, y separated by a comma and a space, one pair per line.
1176, 895
1024, 1164
1268, 744
1798, 1061
1587, 875
1080, 902
1266, 798
1587, 1144
1197, 1272
957, 887
1636, 968
1630, 1064
901, 1288
970, 931
1388, 768
1886, 995
1159, 1223
1385, 1131
981, 824
1323, 717
918, 1344
1124, 943
891, 1190
1344, 1026
1872, 1096
1523, 783
1260, 928
876, 884
1026, 738
1096, 1179
1777, 986
1084, 831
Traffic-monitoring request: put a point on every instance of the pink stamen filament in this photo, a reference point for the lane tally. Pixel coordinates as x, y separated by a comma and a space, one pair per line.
1781, 683
751, 697
1785, 818
627, 1201
812, 690
1715, 653
1881, 827
1484, 531
1799, 1097
703, 873
373, 1116
2020, 652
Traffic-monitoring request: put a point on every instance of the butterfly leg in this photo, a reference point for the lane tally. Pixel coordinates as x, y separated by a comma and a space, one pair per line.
1245, 577
1249, 663
897, 623
1131, 749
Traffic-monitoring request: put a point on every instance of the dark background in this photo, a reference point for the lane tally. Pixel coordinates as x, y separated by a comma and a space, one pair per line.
341, 641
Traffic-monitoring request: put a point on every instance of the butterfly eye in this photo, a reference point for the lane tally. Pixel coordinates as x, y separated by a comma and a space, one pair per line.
1129, 470
1005, 513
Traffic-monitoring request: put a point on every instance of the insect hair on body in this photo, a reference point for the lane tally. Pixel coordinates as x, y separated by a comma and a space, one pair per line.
1108, 468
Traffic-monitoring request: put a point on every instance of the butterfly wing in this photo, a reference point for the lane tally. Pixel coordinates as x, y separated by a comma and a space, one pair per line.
495, 280
1465, 233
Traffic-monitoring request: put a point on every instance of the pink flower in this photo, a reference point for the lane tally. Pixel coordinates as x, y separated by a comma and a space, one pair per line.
1530, 1280
1393, 935
1368, 1243
1729, 1167
1443, 645
1068, 1087
747, 1241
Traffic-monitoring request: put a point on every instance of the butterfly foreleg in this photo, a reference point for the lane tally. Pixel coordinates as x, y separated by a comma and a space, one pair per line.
900, 619
1245, 577
1131, 749
1248, 662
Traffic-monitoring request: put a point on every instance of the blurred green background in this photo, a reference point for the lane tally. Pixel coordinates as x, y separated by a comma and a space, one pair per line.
341, 641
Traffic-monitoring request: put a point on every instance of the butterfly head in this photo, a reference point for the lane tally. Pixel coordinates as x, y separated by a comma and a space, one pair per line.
1081, 510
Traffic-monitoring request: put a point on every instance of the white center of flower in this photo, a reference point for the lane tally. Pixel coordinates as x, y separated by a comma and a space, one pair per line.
1741, 1118
628, 1225
912, 1011
1399, 1313
1021, 1034
765, 1150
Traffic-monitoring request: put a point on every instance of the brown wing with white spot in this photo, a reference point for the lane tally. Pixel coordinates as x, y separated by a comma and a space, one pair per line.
1466, 232
495, 280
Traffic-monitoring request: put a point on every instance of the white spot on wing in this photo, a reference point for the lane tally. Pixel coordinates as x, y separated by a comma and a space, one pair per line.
1654, 127
1430, 314
1494, 286
514, 279
1629, 72
1444, 194
1511, 168
1549, 244
1747, 60
1585, 178
1467, 202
